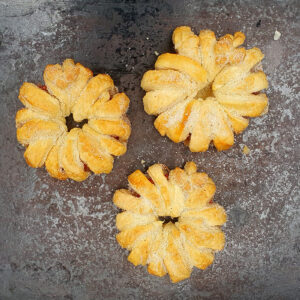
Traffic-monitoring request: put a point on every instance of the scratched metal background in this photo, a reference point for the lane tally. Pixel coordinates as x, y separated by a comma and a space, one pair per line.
57, 238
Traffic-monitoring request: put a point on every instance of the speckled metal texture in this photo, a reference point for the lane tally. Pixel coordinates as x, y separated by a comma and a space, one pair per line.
58, 238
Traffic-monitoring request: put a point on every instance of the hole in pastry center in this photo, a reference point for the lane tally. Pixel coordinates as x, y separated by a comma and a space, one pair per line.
167, 219
205, 92
73, 124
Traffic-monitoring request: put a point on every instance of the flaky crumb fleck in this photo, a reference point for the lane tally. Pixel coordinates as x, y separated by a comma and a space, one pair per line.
156, 53
143, 163
277, 35
246, 150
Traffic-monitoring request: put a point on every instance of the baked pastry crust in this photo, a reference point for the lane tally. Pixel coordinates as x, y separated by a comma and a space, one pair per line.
41, 126
182, 197
206, 92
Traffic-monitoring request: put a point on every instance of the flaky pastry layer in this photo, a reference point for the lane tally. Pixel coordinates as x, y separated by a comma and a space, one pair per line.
41, 127
169, 221
207, 90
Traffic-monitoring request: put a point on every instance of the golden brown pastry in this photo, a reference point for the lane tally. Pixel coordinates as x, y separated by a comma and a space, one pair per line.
41, 126
206, 91
169, 221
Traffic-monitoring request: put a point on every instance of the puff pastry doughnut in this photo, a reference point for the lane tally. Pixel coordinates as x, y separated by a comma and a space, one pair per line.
71, 89
206, 92
169, 221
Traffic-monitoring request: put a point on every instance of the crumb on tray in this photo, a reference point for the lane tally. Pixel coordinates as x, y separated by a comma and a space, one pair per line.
277, 35
246, 150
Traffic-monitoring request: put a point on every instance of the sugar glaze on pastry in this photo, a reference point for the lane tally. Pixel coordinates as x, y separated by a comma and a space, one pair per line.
169, 221
207, 91
41, 126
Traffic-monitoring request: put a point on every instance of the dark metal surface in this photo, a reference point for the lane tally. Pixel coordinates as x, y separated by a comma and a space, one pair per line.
57, 238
